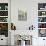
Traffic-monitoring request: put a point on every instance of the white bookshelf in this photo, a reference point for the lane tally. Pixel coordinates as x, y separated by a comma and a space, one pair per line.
4, 18
41, 18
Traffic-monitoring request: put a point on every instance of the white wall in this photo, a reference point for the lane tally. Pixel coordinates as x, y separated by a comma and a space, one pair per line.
31, 15
31, 7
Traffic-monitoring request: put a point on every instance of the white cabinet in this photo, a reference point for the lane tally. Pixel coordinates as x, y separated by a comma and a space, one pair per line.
4, 21
3, 40
41, 41
42, 19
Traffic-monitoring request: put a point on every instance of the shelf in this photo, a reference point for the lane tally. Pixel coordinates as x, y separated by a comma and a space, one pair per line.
42, 16
3, 22
41, 28
41, 22
3, 16
42, 10
3, 10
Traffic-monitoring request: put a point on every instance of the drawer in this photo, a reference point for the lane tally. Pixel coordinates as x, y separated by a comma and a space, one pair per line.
3, 41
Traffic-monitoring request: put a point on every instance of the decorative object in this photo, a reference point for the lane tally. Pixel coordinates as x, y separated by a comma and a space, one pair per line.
4, 29
31, 27
42, 25
42, 19
13, 27
6, 7
3, 6
23, 40
3, 19
0, 7
42, 32
3, 13
41, 6
22, 15
43, 13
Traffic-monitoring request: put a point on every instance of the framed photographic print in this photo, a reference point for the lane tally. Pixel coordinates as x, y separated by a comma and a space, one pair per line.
22, 15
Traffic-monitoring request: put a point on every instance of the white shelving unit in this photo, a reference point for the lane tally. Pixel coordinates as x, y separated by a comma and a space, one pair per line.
4, 23
42, 19
41, 28
4, 18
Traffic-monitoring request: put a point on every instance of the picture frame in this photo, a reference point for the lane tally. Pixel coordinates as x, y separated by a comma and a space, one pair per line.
22, 15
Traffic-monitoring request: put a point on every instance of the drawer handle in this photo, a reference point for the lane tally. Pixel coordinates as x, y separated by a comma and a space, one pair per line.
1, 39
43, 39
